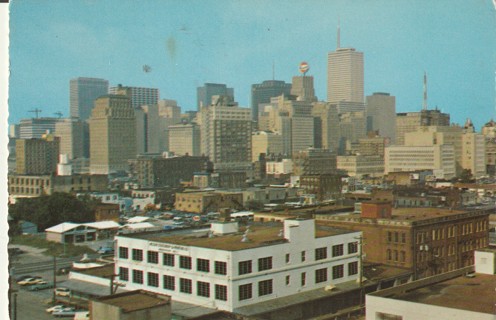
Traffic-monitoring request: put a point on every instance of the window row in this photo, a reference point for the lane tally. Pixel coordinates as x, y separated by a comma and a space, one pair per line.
169, 283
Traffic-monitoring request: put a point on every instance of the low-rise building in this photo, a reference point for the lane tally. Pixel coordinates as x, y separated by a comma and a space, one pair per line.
229, 269
206, 201
361, 165
68, 232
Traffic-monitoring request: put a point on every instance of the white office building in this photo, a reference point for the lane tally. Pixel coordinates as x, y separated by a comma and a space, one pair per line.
228, 269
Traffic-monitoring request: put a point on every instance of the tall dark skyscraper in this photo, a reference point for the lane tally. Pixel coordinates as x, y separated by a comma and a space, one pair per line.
262, 92
205, 93
83, 93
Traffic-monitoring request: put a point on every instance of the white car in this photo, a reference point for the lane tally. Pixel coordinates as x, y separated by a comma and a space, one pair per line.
29, 281
62, 292
56, 308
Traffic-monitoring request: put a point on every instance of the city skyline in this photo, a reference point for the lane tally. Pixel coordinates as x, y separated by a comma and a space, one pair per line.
146, 46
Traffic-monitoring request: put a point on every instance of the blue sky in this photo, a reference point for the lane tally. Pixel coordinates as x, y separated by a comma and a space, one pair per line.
190, 42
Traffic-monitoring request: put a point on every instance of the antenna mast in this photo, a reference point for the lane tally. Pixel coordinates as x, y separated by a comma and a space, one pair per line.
338, 44
36, 111
424, 105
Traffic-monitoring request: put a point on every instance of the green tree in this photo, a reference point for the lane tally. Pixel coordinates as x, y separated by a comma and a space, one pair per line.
47, 211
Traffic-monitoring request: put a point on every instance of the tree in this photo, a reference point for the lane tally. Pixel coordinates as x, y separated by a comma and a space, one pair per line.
47, 211
466, 176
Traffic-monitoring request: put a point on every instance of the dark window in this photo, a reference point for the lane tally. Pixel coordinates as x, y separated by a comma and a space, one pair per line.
220, 267
321, 275
264, 287
337, 250
168, 259
123, 274
185, 285
338, 271
203, 265
137, 276
137, 255
352, 247
153, 279
265, 263
403, 237
303, 258
185, 262
152, 257
244, 267
303, 278
123, 253
245, 292
169, 282
203, 289
320, 253
287, 257
220, 292
352, 268
288, 280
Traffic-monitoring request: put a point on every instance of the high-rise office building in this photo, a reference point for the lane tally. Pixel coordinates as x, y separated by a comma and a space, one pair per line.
266, 142
112, 134
184, 139
83, 93
327, 117
36, 127
205, 93
302, 88
381, 115
37, 155
138, 96
226, 135
411, 121
71, 134
262, 92
345, 76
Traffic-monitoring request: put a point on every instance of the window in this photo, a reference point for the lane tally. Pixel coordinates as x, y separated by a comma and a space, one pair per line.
396, 239
403, 237
352, 247
264, 287
320, 253
352, 268
321, 275
123, 253
338, 271
288, 280
337, 250
169, 282
245, 292
244, 267
303, 258
203, 265
152, 279
203, 289
287, 257
137, 255
220, 292
220, 267
123, 274
152, 257
185, 285
137, 276
185, 262
390, 236
389, 256
168, 259
403, 255
265, 263
303, 279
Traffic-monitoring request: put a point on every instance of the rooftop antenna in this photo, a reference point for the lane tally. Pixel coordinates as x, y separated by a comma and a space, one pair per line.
36, 111
58, 113
424, 106
339, 34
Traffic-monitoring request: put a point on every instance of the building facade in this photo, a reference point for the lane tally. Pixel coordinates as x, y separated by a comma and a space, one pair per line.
184, 139
345, 78
204, 94
262, 92
82, 95
37, 156
381, 115
411, 121
225, 272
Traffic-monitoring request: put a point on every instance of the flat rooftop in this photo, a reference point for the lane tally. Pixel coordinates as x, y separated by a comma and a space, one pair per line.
105, 271
135, 300
472, 294
259, 235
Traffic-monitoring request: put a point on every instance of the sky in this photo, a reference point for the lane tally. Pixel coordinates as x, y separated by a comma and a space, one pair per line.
238, 42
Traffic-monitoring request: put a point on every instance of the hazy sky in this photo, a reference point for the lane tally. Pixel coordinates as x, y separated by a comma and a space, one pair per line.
188, 43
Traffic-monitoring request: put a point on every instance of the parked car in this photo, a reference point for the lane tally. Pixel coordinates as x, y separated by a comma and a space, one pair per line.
56, 308
62, 292
20, 278
40, 286
29, 281
68, 312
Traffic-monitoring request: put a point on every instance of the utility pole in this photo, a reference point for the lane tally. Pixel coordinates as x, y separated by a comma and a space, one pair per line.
54, 277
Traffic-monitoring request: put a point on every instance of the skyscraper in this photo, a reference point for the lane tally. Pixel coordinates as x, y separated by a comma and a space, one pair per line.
112, 134
381, 115
71, 134
262, 92
302, 88
205, 93
37, 155
83, 92
345, 75
139, 96
412, 121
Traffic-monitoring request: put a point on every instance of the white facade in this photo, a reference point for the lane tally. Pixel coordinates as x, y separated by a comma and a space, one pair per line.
359, 166
226, 273
279, 167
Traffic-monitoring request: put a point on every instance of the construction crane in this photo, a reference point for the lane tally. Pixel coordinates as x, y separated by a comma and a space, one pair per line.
37, 111
58, 113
